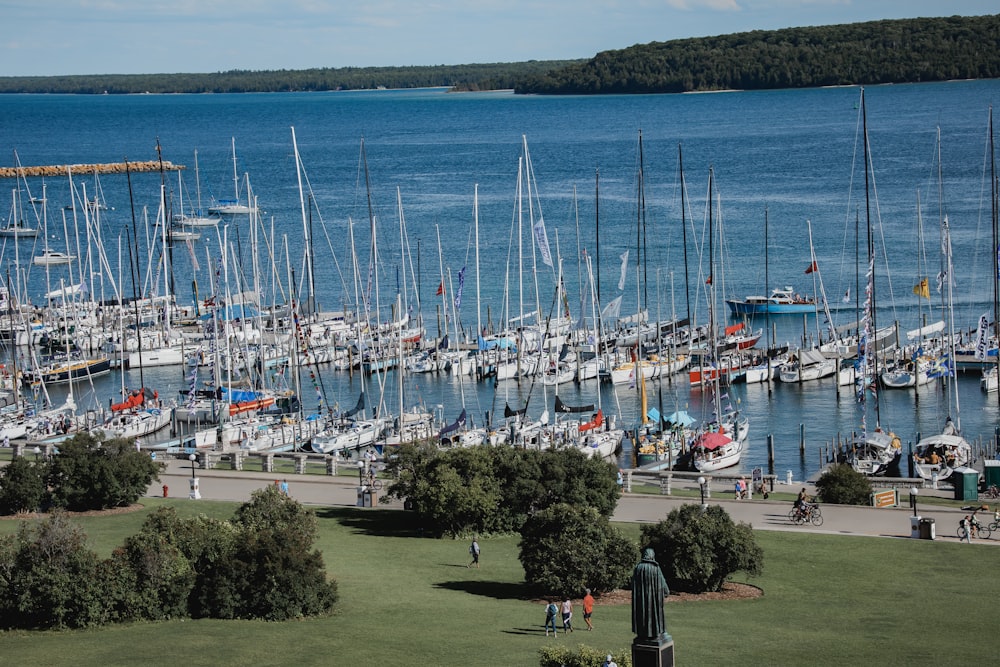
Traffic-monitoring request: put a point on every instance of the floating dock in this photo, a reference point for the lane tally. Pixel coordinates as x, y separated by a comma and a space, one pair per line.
105, 168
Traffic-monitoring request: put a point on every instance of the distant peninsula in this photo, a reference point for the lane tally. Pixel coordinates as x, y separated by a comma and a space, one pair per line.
891, 51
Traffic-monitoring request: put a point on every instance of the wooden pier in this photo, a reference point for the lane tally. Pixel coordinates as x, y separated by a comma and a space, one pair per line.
105, 168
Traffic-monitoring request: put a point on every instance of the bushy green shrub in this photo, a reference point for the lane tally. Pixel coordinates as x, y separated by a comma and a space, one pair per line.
565, 549
698, 551
22, 486
561, 655
50, 579
90, 473
281, 575
495, 489
843, 485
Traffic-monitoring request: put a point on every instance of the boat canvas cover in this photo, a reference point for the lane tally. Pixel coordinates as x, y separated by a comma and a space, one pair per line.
240, 395
457, 424
711, 441
810, 357
928, 330
562, 407
595, 423
733, 328
357, 408
509, 412
680, 418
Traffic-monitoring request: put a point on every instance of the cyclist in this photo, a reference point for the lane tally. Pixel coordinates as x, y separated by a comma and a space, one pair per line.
801, 504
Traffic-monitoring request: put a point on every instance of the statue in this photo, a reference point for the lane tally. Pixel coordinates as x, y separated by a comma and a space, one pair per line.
649, 588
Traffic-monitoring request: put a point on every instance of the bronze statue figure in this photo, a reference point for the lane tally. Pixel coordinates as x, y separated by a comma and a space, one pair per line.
649, 588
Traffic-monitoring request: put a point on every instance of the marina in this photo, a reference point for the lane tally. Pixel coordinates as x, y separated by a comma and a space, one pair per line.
420, 281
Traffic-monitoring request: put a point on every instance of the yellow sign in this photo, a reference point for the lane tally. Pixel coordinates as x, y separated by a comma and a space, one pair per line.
884, 498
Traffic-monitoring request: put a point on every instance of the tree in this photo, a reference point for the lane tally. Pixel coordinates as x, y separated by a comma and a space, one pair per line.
698, 551
495, 489
281, 575
22, 486
565, 549
91, 473
843, 485
49, 578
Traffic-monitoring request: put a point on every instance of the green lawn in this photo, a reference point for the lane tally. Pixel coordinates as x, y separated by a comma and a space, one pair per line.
408, 600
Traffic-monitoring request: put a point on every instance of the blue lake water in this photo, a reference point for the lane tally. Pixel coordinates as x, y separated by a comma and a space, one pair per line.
795, 154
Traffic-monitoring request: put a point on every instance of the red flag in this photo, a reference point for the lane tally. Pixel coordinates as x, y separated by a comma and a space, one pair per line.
440, 289
709, 281
812, 267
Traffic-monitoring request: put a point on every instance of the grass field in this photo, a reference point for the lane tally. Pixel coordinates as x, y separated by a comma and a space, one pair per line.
409, 600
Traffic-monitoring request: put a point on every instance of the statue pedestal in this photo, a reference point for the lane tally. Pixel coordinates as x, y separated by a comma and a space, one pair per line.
653, 652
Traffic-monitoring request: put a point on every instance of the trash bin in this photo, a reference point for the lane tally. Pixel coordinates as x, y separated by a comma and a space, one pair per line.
915, 522
927, 529
966, 483
362, 490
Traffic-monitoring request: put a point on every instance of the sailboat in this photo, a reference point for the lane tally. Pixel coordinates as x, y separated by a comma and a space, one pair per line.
720, 444
874, 451
937, 456
197, 216
233, 206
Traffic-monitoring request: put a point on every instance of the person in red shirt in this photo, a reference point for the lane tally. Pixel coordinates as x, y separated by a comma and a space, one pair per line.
588, 608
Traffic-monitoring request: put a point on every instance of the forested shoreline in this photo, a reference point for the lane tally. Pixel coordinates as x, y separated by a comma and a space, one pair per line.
891, 51
899, 51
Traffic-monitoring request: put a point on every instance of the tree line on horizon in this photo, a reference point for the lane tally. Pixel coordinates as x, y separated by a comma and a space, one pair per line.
488, 76
875, 52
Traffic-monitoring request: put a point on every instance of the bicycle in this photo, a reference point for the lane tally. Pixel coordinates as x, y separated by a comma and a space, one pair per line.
372, 482
808, 512
977, 529
992, 491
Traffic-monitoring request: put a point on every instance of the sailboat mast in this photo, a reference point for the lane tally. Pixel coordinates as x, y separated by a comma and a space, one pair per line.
687, 291
995, 260
871, 357
640, 230
597, 232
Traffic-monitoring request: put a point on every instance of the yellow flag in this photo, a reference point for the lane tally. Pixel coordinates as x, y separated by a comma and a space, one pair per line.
922, 289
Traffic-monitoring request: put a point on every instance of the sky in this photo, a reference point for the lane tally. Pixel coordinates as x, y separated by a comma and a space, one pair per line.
58, 37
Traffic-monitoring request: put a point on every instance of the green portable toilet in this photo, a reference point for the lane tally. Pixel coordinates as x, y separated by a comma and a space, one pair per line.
991, 470
966, 482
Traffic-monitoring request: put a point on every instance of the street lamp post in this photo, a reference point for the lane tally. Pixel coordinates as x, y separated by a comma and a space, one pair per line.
913, 499
701, 487
195, 492
38, 451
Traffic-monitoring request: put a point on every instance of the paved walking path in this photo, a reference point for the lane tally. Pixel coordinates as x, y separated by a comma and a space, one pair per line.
633, 507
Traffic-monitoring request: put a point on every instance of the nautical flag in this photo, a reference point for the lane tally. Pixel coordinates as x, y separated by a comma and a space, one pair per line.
941, 367
440, 289
621, 279
458, 292
941, 277
612, 310
982, 337
922, 289
709, 281
847, 296
542, 239
812, 267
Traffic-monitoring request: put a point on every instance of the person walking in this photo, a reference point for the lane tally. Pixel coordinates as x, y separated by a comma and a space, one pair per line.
588, 608
550, 618
567, 616
474, 552
284, 487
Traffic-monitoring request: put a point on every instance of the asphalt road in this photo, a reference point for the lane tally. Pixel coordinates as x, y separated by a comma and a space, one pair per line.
633, 507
